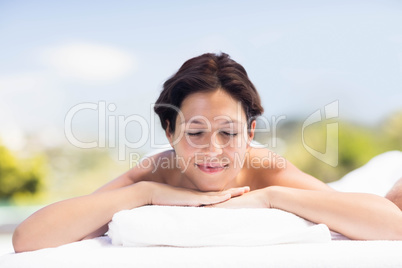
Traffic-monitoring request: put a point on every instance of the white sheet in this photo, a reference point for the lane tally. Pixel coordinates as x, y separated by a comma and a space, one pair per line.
376, 177
199, 226
100, 252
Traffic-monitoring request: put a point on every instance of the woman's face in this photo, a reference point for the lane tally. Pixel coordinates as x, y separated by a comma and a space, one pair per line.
210, 140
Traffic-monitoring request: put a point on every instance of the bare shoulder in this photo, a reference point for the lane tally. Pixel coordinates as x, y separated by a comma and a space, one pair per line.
155, 167
263, 158
260, 166
269, 169
149, 168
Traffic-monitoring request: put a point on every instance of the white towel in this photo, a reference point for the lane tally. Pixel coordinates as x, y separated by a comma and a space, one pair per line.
376, 177
198, 226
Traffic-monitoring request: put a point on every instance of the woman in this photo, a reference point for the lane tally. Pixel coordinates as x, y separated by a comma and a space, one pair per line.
208, 110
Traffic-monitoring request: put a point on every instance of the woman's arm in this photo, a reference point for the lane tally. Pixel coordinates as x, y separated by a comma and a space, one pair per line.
73, 219
355, 215
87, 216
358, 216
81, 217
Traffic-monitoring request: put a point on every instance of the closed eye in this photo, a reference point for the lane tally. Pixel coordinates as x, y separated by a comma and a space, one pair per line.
194, 133
229, 134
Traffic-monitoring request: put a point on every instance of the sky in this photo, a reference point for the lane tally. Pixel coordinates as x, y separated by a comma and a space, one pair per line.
114, 56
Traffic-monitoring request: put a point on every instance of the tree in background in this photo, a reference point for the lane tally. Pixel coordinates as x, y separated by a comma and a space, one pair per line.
20, 177
392, 127
357, 144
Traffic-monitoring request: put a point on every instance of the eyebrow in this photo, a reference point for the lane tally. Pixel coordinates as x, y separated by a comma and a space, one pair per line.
203, 123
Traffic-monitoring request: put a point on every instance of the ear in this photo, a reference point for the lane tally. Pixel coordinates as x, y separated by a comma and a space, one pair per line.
251, 132
169, 135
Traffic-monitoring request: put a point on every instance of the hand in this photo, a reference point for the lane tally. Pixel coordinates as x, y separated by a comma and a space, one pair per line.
166, 195
255, 199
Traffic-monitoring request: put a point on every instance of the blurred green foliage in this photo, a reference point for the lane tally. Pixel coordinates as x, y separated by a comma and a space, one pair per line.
54, 173
357, 144
20, 176
74, 171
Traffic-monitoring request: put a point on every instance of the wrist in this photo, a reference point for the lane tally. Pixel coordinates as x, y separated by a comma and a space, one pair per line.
143, 193
272, 193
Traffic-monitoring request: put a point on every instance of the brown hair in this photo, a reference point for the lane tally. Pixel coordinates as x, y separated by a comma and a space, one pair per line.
206, 73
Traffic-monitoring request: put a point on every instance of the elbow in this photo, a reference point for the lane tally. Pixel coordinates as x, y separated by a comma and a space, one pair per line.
398, 235
22, 242
395, 231
18, 242
397, 227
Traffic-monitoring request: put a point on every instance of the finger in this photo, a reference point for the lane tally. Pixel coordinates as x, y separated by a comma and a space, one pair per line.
238, 191
214, 199
235, 191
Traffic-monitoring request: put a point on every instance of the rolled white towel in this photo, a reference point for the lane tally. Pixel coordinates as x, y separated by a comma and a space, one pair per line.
198, 226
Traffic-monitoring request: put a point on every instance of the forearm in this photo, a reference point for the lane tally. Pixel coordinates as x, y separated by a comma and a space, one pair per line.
356, 215
72, 220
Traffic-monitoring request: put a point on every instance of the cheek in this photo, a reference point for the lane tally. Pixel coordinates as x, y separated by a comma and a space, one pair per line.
237, 154
183, 148
237, 145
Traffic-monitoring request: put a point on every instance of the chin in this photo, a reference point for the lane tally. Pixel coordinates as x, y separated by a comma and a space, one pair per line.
211, 184
211, 188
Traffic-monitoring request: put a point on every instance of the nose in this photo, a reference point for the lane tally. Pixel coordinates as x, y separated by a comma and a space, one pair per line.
214, 148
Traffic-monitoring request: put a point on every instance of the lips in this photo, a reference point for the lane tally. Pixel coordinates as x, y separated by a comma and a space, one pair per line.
211, 168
